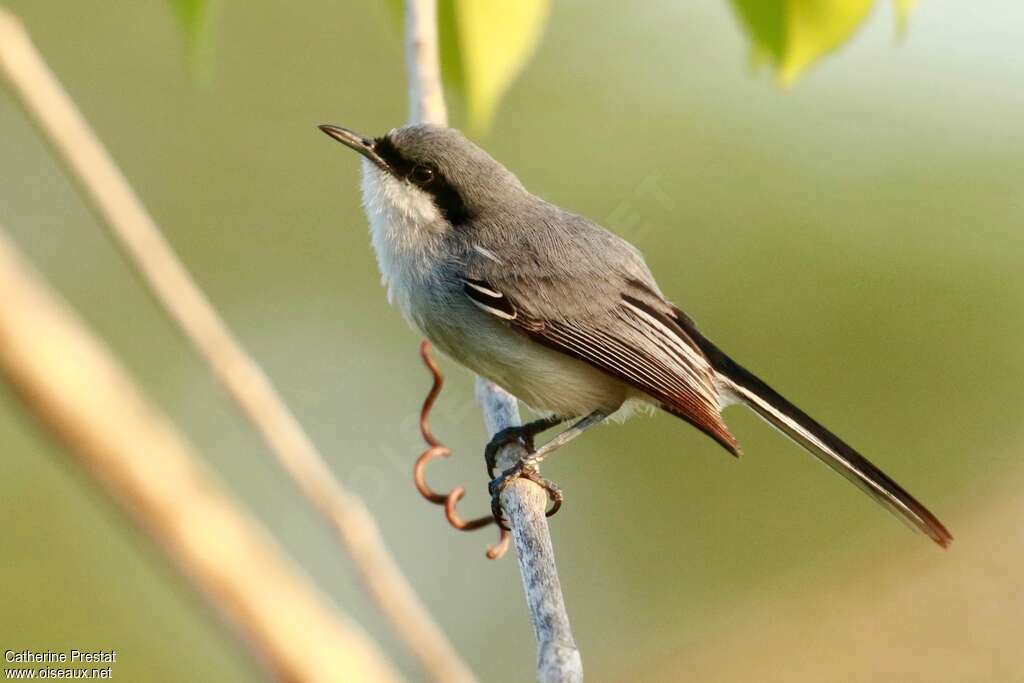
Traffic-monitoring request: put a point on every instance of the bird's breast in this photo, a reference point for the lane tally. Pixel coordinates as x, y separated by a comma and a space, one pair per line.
546, 380
408, 238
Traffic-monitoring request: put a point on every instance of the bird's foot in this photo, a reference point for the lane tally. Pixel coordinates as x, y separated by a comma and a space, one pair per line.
524, 434
524, 469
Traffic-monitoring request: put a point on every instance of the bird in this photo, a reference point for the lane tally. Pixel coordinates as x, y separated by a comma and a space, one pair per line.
559, 311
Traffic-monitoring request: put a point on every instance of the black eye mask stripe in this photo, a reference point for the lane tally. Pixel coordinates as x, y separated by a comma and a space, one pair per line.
446, 198
398, 164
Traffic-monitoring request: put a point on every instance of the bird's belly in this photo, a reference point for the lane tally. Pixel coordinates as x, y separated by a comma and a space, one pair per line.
546, 380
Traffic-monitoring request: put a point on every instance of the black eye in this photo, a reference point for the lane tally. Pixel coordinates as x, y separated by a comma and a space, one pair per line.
421, 175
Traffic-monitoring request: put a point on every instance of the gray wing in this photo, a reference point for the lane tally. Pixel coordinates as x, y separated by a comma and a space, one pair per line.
581, 290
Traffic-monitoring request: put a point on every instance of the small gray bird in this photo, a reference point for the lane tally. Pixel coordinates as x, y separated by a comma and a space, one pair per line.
558, 311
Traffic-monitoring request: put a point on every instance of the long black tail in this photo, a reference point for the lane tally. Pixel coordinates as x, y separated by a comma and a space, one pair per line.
823, 444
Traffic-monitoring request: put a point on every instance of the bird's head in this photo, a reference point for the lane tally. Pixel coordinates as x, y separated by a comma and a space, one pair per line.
430, 175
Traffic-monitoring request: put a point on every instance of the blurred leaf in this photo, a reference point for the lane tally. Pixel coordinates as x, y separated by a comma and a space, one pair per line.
904, 8
793, 34
451, 59
195, 17
190, 15
484, 46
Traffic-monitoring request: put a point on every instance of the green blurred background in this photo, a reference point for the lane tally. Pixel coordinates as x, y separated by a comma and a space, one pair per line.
857, 240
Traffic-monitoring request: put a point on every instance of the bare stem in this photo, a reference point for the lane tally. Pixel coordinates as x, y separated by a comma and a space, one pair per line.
72, 384
422, 58
558, 659
524, 503
142, 242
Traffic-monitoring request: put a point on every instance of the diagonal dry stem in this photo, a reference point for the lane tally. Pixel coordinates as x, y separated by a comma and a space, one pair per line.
142, 242
75, 388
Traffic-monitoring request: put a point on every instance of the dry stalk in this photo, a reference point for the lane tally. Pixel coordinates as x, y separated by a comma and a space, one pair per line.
71, 383
143, 243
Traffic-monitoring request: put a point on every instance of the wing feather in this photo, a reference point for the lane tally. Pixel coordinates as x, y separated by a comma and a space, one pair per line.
487, 299
630, 338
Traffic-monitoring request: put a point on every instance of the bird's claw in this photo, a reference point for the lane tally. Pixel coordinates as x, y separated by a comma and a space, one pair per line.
523, 469
502, 439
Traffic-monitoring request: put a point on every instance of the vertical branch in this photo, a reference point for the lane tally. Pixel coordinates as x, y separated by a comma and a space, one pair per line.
423, 61
72, 384
142, 242
558, 659
524, 503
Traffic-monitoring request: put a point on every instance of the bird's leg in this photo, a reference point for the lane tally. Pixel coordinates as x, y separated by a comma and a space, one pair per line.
527, 468
534, 459
524, 433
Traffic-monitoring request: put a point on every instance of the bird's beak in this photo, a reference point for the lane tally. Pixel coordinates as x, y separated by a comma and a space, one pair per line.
364, 146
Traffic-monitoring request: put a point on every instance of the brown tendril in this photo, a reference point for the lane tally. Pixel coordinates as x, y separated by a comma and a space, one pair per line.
436, 450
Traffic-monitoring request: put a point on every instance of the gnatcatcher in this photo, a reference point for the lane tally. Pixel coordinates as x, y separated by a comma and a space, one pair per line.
558, 311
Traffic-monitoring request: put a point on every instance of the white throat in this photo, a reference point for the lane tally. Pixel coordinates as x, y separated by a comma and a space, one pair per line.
406, 230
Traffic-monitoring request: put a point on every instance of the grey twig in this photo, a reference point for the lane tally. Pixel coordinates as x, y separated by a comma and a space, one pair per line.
525, 503
422, 59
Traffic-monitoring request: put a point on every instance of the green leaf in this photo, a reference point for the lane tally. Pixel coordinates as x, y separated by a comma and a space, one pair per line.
793, 34
195, 17
485, 45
